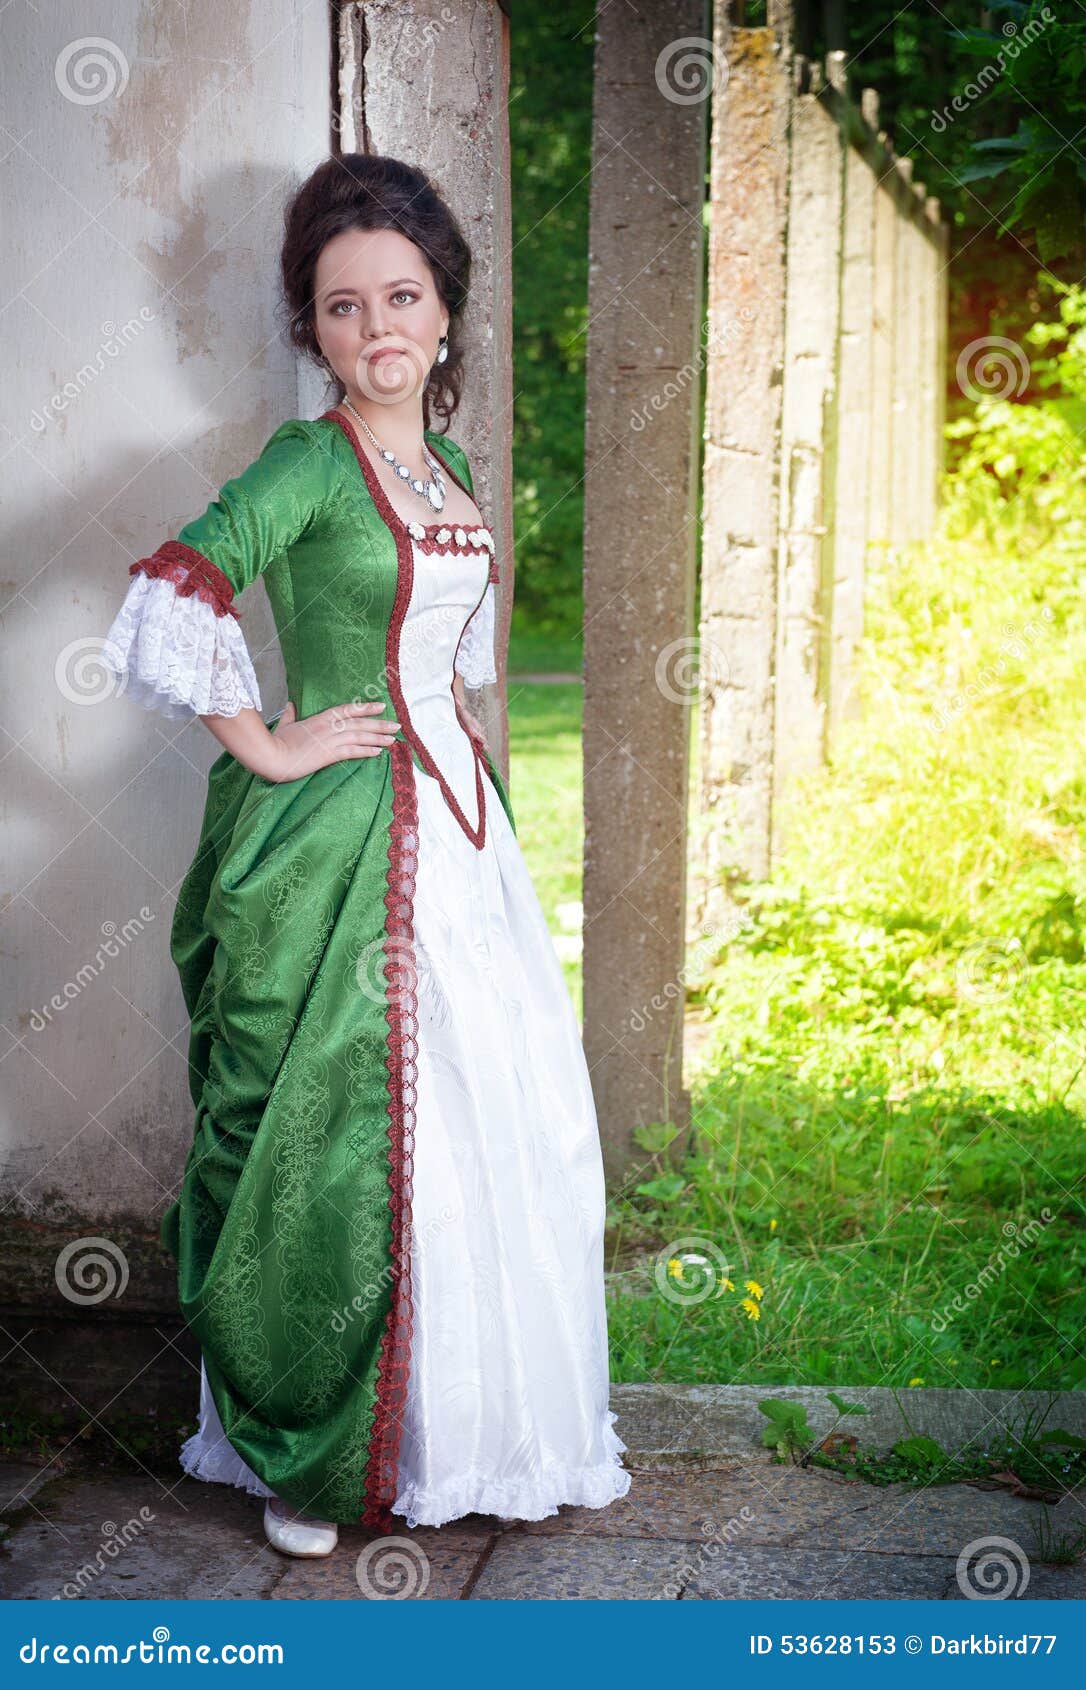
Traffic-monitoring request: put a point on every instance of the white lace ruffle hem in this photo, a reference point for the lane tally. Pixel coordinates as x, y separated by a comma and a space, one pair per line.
174, 653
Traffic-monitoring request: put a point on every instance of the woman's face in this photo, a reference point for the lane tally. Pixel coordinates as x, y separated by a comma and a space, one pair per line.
374, 290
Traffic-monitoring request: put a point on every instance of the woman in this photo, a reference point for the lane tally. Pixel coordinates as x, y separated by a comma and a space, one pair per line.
389, 1231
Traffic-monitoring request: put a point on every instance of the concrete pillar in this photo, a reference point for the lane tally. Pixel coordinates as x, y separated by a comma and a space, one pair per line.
449, 59
942, 315
741, 487
808, 422
883, 378
854, 418
641, 461
933, 301
903, 411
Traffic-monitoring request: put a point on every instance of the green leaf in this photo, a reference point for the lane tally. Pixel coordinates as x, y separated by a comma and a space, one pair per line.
844, 1407
666, 1188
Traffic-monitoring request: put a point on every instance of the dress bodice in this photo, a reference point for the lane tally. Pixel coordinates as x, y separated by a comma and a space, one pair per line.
449, 580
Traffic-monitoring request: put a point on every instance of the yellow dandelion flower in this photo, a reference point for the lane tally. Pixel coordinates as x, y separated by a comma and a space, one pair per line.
755, 1289
995, 1364
726, 1285
675, 1268
753, 1311
773, 1225
916, 1381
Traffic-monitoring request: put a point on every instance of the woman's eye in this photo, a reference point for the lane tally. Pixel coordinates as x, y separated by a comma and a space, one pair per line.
410, 297
338, 303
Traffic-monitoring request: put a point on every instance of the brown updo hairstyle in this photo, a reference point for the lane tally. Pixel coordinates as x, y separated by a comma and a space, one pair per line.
367, 191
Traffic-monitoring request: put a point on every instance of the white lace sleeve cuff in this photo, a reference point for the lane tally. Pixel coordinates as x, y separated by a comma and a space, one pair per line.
475, 654
179, 654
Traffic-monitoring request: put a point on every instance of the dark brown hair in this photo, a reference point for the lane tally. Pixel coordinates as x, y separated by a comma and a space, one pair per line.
367, 191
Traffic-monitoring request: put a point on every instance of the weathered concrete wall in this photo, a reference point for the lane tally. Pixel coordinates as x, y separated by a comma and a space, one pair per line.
146, 365
644, 307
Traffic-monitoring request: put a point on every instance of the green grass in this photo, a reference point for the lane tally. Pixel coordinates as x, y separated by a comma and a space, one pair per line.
888, 1131
545, 777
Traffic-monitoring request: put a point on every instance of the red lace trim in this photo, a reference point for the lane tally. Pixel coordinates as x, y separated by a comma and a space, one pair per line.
192, 573
430, 543
401, 1059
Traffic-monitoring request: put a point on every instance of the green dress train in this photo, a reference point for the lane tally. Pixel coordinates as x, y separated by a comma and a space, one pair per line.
388, 1229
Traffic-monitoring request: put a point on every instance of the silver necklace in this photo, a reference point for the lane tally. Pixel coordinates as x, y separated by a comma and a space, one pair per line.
432, 491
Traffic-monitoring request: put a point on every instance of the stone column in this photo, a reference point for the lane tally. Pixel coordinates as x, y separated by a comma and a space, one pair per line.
854, 412
741, 486
906, 385
883, 370
942, 314
808, 422
641, 460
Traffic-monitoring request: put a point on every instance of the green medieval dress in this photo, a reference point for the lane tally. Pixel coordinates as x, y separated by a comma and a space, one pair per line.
389, 1227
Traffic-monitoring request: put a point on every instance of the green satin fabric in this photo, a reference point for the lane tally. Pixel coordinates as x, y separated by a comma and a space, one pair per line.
281, 1228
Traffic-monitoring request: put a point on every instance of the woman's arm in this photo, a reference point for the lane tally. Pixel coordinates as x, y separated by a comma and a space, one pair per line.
472, 720
246, 738
354, 729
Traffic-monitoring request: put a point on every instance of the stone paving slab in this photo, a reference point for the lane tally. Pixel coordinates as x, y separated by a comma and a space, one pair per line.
742, 1530
787, 1505
86, 1539
816, 1575
20, 1482
430, 1564
670, 1424
578, 1568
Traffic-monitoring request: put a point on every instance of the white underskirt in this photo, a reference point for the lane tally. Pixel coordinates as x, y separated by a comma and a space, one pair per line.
507, 1410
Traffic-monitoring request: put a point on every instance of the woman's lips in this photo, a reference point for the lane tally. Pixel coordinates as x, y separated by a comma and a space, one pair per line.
386, 352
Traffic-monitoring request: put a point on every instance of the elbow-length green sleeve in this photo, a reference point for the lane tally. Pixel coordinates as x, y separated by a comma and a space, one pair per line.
176, 643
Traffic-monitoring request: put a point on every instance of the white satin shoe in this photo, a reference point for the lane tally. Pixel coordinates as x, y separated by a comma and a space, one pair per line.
297, 1534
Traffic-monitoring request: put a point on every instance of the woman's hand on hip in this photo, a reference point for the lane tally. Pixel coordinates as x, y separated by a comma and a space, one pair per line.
344, 731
